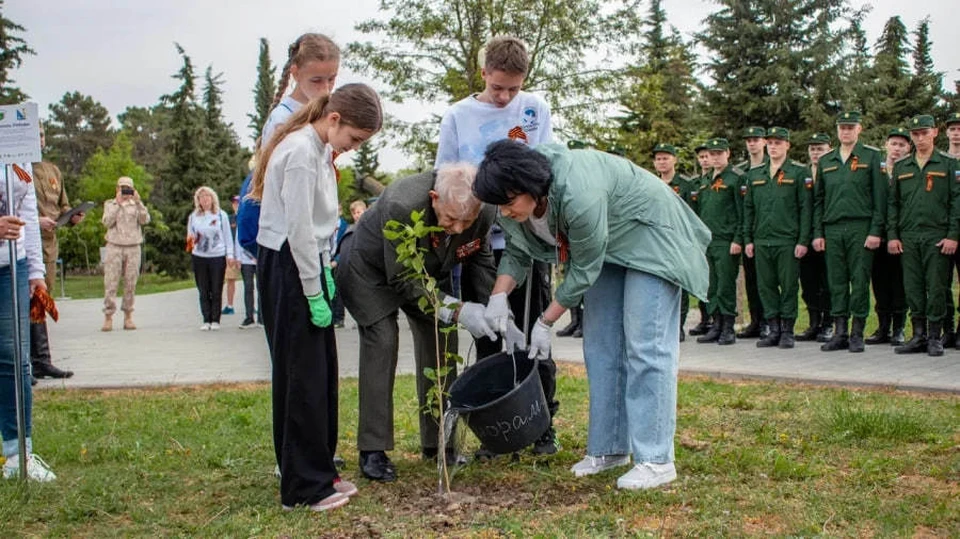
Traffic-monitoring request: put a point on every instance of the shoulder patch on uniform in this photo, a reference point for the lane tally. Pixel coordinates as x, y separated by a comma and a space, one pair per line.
874, 148
945, 154
797, 163
908, 156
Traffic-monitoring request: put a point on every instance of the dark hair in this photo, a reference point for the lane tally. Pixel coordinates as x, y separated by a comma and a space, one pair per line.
511, 168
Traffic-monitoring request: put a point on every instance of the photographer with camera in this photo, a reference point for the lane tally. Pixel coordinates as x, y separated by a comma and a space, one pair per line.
123, 216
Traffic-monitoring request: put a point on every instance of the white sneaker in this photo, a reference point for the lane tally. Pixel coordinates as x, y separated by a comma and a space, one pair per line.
37, 469
215, 326
330, 502
593, 465
648, 475
204, 327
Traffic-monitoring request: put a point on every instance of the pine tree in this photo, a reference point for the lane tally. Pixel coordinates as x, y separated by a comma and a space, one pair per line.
12, 50
890, 82
857, 89
926, 88
228, 165
263, 91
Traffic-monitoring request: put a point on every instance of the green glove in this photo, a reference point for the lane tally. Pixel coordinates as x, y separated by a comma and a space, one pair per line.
320, 314
331, 285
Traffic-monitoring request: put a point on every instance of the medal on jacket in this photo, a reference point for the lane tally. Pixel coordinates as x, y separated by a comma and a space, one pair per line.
434, 241
853, 163
563, 248
468, 249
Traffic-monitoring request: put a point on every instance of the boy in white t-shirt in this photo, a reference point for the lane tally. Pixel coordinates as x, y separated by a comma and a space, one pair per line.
502, 110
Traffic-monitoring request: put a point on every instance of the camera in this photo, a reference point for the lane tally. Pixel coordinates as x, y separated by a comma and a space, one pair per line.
124, 190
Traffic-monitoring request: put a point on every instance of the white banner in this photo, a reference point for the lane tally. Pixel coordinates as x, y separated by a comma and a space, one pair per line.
19, 133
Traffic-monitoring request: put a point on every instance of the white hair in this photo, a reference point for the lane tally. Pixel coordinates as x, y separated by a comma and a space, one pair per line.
454, 187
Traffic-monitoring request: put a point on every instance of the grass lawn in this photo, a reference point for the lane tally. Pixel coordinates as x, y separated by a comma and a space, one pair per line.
91, 286
752, 458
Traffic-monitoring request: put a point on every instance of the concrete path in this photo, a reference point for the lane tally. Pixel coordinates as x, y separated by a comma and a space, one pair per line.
168, 348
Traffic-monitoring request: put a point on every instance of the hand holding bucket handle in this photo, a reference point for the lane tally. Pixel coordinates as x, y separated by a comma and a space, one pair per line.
540, 340
514, 338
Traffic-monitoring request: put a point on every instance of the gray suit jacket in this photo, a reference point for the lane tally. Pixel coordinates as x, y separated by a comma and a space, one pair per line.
369, 277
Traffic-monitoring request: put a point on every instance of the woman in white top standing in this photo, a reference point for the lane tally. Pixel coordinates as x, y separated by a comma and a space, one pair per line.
296, 184
210, 241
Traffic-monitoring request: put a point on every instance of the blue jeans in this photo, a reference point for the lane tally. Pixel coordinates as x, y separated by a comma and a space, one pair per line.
631, 322
8, 402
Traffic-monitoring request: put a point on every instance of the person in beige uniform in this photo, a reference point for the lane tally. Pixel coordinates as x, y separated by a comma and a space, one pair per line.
52, 202
123, 216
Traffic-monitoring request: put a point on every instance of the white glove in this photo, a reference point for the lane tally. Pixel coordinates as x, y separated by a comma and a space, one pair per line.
497, 312
539, 341
471, 318
514, 338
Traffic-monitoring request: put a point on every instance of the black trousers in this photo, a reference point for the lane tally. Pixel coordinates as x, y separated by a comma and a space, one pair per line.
813, 282
539, 300
304, 382
754, 303
887, 277
208, 274
248, 272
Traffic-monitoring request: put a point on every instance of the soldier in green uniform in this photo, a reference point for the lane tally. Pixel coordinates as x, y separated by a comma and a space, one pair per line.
777, 216
849, 210
703, 163
721, 209
924, 226
813, 266
753, 138
665, 163
952, 124
888, 291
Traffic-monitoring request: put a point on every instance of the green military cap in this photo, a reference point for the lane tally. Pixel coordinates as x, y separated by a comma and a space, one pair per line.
576, 144
922, 121
778, 133
953, 119
617, 150
899, 132
851, 117
700, 147
754, 132
718, 143
664, 148
819, 138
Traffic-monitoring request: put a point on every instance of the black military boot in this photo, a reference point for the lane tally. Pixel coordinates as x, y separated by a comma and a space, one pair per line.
856, 334
897, 337
704, 325
810, 334
917, 343
786, 332
752, 331
567, 331
934, 344
840, 339
949, 339
727, 335
773, 337
713, 333
826, 328
40, 354
882, 334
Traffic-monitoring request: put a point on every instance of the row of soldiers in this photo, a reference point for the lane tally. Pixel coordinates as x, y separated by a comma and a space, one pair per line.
852, 215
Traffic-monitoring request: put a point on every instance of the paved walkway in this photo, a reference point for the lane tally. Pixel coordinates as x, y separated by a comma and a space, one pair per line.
168, 348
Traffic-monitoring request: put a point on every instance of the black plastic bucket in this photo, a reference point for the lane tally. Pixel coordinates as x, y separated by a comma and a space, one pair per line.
504, 416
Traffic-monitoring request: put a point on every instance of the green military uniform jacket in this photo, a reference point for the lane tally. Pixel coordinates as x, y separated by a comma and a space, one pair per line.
720, 204
605, 209
925, 200
778, 207
683, 186
856, 189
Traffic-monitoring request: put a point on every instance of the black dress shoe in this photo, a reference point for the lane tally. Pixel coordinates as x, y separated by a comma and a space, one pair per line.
376, 465
48, 370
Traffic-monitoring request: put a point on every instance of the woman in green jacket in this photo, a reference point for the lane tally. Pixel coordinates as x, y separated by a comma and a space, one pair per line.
627, 245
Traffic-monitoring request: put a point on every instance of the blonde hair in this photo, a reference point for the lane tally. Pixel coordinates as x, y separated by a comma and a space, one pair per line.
203, 189
357, 204
357, 104
307, 48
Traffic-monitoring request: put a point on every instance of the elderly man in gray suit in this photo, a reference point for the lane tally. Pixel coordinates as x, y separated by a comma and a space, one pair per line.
374, 291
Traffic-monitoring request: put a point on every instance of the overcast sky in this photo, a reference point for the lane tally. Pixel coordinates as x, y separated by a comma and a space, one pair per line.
121, 52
